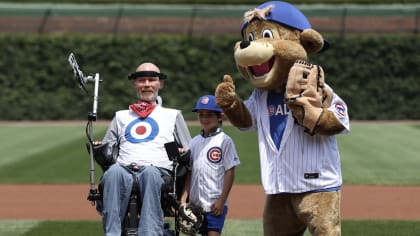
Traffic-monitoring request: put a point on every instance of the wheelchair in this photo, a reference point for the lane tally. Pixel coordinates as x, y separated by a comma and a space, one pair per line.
172, 187
170, 192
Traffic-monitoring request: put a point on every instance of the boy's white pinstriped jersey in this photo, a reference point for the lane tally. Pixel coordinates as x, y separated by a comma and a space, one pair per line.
211, 157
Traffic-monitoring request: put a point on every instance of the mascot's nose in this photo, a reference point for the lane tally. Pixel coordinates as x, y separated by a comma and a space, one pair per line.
244, 44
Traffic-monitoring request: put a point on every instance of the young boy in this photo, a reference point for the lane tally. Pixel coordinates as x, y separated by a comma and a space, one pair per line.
213, 161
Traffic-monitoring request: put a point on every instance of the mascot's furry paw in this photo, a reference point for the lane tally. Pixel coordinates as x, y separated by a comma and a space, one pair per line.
225, 92
231, 104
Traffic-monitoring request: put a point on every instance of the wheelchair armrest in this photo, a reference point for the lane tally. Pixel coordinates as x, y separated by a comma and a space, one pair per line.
184, 158
102, 156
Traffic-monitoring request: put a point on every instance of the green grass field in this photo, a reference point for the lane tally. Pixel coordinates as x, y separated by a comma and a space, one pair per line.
232, 228
374, 154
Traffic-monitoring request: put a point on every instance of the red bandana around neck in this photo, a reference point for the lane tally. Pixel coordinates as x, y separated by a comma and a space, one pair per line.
142, 108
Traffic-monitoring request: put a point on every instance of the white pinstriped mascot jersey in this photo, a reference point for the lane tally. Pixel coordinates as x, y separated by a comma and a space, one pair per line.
158, 128
210, 158
302, 162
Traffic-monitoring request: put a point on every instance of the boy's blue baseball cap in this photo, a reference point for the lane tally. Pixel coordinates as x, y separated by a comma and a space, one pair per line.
207, 102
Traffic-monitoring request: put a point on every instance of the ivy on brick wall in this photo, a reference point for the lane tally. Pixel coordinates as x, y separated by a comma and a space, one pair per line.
378, 76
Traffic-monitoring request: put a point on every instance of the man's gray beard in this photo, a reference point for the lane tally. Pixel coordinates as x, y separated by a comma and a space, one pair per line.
148, 98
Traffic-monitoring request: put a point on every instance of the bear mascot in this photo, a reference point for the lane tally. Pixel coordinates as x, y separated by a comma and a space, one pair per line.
296, 116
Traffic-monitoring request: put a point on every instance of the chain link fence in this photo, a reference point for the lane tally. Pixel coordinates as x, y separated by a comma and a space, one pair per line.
197, 19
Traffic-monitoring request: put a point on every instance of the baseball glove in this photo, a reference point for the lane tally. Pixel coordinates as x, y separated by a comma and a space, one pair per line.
307, 94
190, 219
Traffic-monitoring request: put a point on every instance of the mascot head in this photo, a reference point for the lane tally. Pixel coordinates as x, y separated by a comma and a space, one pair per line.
274, 36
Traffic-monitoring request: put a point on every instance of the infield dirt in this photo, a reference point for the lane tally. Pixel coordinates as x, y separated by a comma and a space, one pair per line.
68, 202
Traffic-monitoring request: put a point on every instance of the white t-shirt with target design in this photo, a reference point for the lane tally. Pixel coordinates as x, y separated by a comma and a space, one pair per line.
141, 140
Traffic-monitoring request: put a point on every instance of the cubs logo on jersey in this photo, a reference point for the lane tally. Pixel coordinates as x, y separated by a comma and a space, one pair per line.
340, 109
141, 130
214, 155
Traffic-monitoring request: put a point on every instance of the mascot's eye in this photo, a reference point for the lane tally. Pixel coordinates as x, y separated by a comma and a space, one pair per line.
250, 37
267, 33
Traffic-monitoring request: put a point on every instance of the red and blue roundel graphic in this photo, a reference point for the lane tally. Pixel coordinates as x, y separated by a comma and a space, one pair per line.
340, 109
141, 130
214, 154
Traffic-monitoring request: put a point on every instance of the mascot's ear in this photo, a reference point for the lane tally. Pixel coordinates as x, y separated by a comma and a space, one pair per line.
311, 40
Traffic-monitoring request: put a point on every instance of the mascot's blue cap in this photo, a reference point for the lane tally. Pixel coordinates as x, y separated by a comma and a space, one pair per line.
207, 102
286, 14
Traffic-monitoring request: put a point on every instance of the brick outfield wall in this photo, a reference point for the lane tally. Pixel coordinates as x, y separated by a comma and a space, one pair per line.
199, 26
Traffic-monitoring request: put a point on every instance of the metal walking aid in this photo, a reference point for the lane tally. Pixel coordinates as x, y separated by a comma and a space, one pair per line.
94, 194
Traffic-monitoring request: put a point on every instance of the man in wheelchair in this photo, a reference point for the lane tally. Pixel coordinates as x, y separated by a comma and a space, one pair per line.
135, 155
